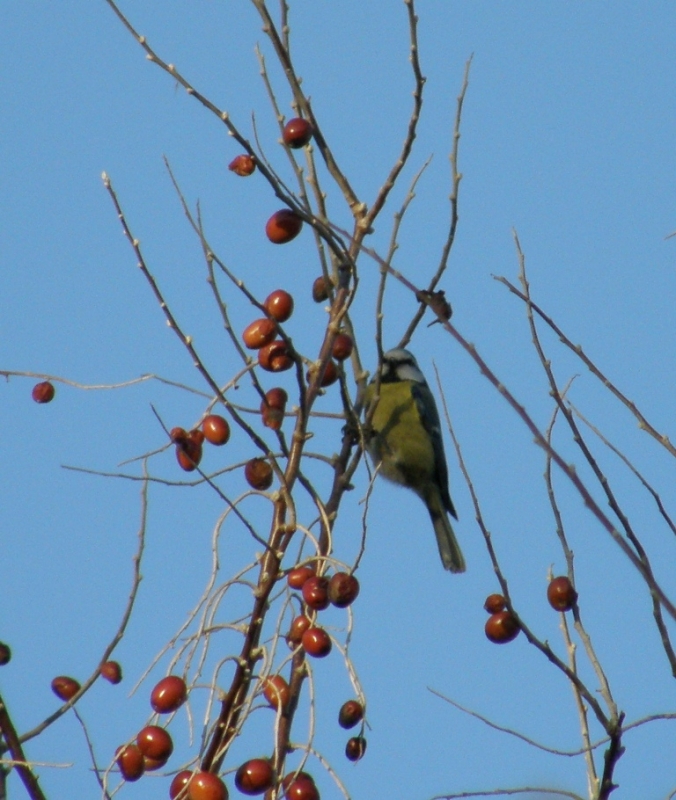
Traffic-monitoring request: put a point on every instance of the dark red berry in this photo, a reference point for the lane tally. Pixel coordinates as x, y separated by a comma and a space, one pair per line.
297, 132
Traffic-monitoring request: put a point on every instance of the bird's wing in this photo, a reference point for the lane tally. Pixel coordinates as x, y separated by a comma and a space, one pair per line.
429, 416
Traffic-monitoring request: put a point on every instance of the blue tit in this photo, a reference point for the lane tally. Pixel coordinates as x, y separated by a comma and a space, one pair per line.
406, 445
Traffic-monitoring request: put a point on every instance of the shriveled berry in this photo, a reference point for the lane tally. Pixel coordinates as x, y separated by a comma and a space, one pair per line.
276, 398
320, 289
343, 589
258, 474
242, 165
275, 357
273, 407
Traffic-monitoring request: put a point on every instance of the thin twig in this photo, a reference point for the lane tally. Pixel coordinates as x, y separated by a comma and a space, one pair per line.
456, 177
643, 423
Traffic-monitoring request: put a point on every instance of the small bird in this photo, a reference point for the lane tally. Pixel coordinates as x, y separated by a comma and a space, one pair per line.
406, 445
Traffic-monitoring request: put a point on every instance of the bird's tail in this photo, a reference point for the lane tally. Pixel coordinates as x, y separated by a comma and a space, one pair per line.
449, 549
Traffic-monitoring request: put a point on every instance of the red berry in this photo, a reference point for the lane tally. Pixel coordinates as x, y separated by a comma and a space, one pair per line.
561, 594
316, 592
275, 357
276, 691
155, 742
351, 713
272, 408
502, 627
258, 474
197, 436
206, 786
300, 787
297, 577
242, 165
255, 776
316, 642
329, 376
283, 226
178, 435
179, 783
64, 687
320, 289
494, 603
259, 333
342, 347
298, 627
169, 694
151, 764
43, 392
279, 305
290, 777
111, 671
276, 398
189, 453
343, 589
216, 429
130, 761
355, 748
297, 132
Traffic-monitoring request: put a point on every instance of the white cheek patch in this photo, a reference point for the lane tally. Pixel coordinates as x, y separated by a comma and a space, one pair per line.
409, 372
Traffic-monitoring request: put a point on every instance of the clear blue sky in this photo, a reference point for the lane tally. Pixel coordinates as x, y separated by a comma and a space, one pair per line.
568, 137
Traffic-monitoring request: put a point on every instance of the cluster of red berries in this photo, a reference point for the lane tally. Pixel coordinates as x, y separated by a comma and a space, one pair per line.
318, 592
273, 353
153, 745
502, 626
215, 429
285, 224
352, 713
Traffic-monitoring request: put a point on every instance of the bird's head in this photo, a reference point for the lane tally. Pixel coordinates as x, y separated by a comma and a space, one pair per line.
400, 365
